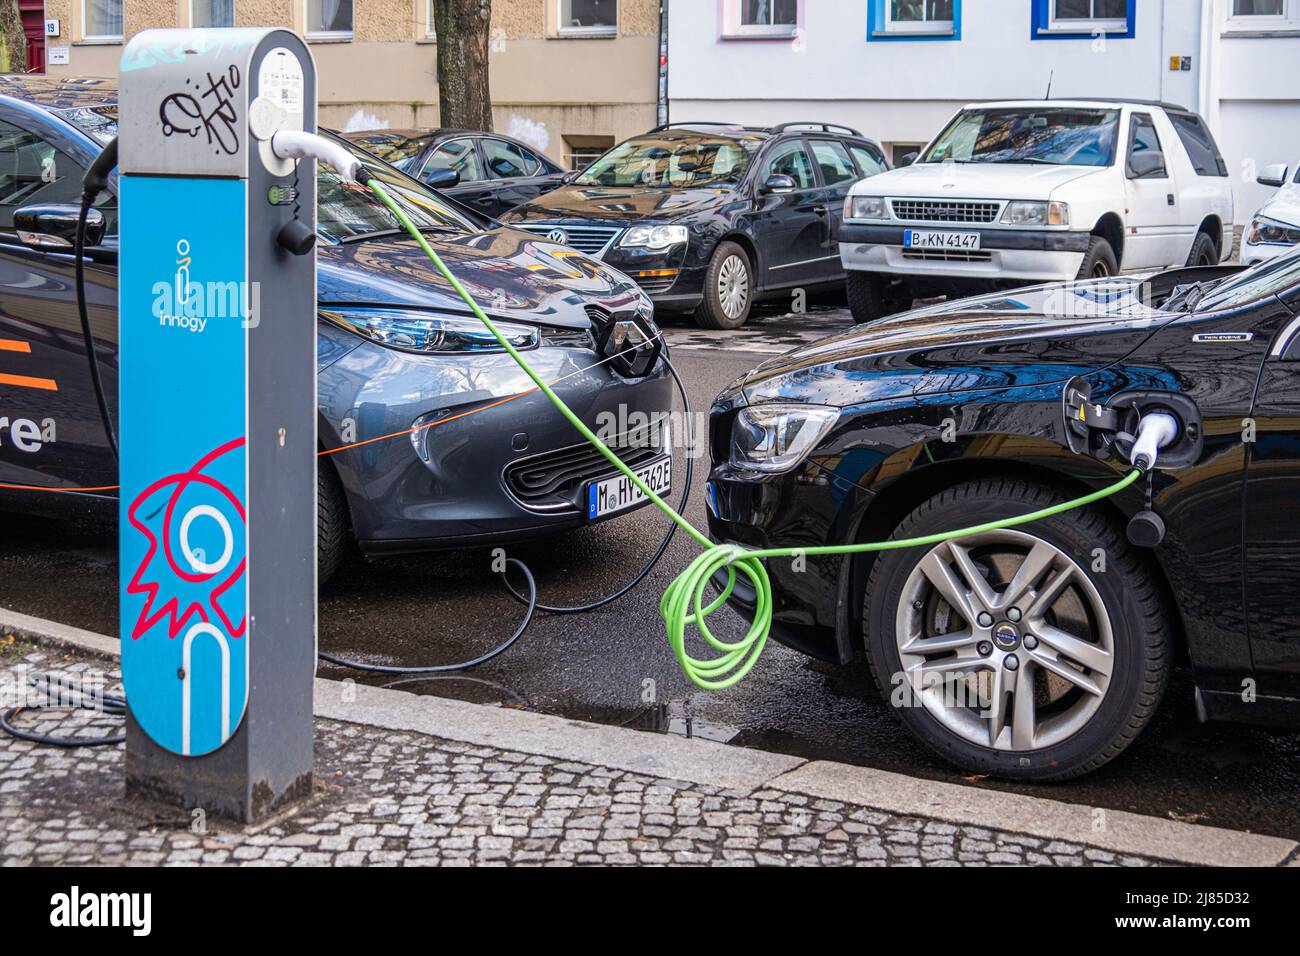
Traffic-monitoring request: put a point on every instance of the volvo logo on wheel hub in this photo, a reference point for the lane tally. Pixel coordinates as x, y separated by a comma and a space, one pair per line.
558, 235
1006, 637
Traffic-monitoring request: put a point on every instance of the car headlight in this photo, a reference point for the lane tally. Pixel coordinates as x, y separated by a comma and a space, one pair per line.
654, 237
1036, 214
775, 438
423, 332
1265, 231
865, 207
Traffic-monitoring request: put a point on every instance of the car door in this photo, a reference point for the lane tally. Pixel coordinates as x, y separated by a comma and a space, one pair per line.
50, 429
791, 227
838, 173
462, 155
1153, 236
519, 174
1272, 535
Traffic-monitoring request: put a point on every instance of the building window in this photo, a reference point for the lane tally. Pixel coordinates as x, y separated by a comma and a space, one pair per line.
101, 21
918, 16
1073, 19
588, 18
1263, 15
914, 19
329, 19
430, 27
212, 13
761, 18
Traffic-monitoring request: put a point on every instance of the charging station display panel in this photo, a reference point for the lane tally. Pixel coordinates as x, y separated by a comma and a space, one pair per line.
184, 364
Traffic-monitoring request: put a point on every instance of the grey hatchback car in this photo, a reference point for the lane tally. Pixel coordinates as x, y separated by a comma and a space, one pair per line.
430, 435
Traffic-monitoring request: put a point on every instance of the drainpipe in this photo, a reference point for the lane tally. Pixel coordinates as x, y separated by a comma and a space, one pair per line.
661, 75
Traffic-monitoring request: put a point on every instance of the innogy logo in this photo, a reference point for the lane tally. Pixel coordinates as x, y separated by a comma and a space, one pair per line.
183, 303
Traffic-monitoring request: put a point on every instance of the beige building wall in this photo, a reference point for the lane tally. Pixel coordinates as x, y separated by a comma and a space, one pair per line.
559, 93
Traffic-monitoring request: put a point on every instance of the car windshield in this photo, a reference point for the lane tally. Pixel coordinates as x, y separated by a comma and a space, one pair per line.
393, 148
1259, 281
1056, 136
344, 211
672, 160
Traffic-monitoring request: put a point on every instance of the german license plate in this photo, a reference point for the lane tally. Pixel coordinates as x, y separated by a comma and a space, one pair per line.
608, 496
926, 239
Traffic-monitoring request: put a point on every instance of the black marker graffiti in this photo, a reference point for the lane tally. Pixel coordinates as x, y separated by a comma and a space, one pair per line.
185, 113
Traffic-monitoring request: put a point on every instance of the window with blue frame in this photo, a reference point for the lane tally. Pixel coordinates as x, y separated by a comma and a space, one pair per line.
1079, 19
913, 19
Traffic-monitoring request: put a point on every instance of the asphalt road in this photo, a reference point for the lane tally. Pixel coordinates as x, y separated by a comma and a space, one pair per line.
614, 666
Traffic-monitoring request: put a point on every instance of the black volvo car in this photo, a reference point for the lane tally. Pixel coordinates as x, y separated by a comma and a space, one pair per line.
1039, 652
710, 218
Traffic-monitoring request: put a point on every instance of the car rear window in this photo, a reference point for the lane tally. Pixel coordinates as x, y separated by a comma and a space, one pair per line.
1200, 145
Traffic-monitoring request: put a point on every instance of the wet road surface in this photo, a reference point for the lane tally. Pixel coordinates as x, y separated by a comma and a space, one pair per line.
614, 665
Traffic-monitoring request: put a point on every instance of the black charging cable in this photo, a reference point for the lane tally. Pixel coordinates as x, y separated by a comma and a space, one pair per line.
76, 700
94, 183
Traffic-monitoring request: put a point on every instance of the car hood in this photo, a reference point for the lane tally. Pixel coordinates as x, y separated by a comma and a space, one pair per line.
974, 180
617, 205
1284, 206
514, 275
1035, 337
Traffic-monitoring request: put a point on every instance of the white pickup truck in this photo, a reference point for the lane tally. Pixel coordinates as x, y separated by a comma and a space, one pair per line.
1014, 193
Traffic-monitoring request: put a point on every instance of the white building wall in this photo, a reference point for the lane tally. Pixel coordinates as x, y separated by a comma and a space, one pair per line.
902, 92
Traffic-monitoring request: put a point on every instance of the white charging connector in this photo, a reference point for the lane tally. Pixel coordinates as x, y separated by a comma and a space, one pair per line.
1155, 431
297, 144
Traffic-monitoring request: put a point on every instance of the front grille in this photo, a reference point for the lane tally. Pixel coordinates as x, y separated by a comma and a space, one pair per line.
937, 210
948, 255
593, 240
553, 481
653, 285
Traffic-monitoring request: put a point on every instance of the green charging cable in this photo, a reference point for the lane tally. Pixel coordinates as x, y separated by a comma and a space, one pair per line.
683, 604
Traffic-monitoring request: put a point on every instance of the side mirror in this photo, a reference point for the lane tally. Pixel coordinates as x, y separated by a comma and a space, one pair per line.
442, 178
1149, 162
54, 225
570, 176
908, 159
778, 185
1274, 175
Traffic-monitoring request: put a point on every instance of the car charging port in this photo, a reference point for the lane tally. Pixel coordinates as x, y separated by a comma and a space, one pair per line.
1169, 420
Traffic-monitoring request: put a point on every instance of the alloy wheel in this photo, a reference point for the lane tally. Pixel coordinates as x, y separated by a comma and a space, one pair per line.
1004, 640
733, 286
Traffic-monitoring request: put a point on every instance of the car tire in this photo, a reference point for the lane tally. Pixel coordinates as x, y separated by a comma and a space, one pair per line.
1099, 262
332, 525
728, 289
1204, 252
1112, 619
870, 297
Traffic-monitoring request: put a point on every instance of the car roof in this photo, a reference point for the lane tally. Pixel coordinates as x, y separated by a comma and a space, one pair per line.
743, 131
1090, 101
61, 93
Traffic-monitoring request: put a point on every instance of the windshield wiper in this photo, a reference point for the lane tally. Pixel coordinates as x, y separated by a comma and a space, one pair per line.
390, 233
1023, 159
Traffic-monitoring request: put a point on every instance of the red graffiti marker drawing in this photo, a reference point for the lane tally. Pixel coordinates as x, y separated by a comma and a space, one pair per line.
198, 574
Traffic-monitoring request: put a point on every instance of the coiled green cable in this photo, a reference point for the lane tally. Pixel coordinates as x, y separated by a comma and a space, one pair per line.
683, 604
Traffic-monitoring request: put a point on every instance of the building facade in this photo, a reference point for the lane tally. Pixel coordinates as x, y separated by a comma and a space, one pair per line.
898, 69
571, 77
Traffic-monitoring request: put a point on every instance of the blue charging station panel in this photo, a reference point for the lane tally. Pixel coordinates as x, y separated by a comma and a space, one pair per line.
184, 300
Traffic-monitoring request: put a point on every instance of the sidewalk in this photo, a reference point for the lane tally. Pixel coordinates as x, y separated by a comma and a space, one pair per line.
407, 780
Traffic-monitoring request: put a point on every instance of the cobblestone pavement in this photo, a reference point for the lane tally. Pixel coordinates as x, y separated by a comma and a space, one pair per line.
389, 798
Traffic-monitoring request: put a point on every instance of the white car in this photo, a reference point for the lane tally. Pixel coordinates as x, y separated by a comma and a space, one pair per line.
1032, 191
1276, 227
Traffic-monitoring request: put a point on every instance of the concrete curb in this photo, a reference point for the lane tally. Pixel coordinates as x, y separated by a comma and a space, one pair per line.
713, 764
1116, 830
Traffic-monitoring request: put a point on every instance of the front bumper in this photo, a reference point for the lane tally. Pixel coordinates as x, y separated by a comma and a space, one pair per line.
1252, 253
670, 277
1036, 255
446, 485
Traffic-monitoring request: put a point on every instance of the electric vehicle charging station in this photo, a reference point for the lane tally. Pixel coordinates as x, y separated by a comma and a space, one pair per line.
217, 305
